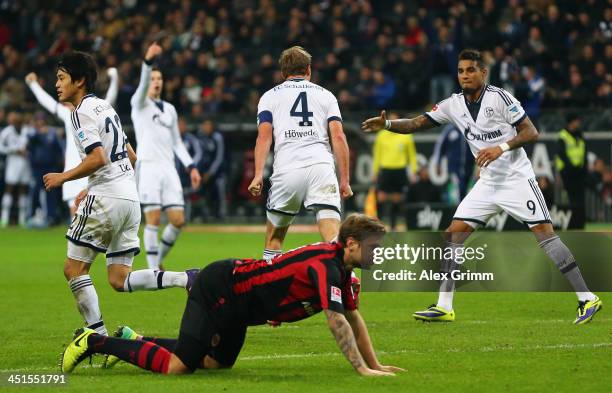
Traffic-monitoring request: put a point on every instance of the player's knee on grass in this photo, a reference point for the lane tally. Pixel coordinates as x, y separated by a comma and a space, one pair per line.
211, 363
176, 366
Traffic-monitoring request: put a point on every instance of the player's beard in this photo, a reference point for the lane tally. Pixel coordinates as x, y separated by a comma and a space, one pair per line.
471, 90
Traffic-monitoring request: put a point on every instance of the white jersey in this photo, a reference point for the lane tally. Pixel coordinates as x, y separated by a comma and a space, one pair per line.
299, 112
156, 127
13, 143
97, 124
497, 114
71, 158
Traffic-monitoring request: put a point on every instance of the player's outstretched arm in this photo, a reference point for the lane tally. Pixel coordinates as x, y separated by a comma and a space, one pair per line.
343, 333
262, 148
526, 133
44, 99
113, 87
362, 337
94, 160
399, 126
341, 152
140, 95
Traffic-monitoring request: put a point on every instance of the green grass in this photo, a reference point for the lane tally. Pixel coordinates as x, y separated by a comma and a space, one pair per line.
501, 342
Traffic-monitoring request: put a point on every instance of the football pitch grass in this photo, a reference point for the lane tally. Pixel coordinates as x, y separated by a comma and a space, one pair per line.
501, 342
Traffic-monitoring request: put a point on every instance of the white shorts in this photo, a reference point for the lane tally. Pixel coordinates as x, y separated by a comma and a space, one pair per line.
107, 225
159, 186
315, 187
522, 200
17, 171
71, 189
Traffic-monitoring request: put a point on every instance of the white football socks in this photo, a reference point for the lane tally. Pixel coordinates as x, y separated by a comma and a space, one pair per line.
7, 202
22, 202
167, 241
270, 254
152, 280
87, 302
445, 299
150, 245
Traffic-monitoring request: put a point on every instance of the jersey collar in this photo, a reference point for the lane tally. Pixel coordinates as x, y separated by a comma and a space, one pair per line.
296, 79
160, 104
83, 99
479, 100
474, 107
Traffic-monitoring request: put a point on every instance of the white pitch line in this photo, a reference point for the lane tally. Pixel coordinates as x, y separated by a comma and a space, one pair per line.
334, 354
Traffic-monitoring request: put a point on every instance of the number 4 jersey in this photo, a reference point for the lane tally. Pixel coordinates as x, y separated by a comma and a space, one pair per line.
97, 124
299, 112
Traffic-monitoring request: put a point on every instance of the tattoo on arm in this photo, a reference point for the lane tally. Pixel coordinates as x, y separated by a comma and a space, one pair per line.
345, 338
408, 126
526, 133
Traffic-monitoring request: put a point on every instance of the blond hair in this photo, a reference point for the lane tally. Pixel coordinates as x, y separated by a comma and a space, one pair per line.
294, 61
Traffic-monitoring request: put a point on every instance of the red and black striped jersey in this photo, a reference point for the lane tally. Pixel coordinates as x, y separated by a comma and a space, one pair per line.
295, 285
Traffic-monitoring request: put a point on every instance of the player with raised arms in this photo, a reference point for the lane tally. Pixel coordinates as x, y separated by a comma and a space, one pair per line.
62, 111
302, 118
108, 214
230, 295
496, 128
158, 140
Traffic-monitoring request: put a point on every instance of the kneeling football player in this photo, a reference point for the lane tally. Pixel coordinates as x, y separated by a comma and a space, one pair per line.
230, 295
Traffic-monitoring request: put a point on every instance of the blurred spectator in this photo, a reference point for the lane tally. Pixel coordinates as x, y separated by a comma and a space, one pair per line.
364, 86
503, 69
531, 93
194, 147
600, 180
394, 155
443, 65
220, 56
214, 168
411, 76
46, 153
383, 90
577, 95
547, 189
207, 40
18, 174
459, 161
424, 191
571, 160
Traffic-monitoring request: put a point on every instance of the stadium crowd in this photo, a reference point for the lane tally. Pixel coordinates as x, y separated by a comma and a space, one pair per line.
220, 57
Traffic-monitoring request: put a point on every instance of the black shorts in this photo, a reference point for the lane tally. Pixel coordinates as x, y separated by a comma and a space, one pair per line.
392, 180
211, 320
